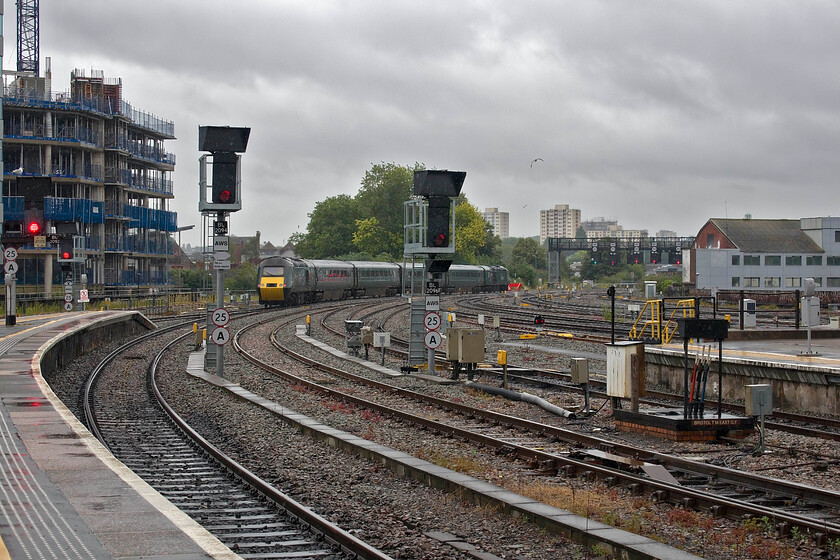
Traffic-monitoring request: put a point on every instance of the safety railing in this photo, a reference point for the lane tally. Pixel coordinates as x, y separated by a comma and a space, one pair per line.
650, 320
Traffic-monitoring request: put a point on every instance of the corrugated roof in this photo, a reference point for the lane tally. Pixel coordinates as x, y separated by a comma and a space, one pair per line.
767, 236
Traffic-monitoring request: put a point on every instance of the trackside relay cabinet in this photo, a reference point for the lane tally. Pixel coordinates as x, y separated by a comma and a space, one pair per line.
465, 345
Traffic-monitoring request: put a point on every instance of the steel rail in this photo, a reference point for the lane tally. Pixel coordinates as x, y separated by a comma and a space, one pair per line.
317, 523
662, 490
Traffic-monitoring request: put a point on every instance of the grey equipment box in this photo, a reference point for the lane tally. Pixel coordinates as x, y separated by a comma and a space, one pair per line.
465, 345
580, 370
758, 400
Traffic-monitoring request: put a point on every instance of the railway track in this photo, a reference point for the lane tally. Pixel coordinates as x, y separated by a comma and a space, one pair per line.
126, 411
550, 450
560, 381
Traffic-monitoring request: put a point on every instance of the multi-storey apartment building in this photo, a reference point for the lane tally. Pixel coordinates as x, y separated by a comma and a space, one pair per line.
500, 221
87, 162
598, 228
561, 221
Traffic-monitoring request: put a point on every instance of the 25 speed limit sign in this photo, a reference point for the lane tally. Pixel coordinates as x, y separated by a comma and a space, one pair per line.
432, 321
220, 317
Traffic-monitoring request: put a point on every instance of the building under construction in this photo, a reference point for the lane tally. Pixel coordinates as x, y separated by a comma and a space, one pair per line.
85, 165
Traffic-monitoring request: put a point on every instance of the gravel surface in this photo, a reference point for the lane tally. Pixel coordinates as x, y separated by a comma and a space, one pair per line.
394, 514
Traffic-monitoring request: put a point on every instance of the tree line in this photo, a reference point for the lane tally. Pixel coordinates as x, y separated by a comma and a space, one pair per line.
369, 226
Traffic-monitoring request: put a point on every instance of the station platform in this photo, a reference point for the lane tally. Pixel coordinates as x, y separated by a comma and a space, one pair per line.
803, 377
62, 494
823, 352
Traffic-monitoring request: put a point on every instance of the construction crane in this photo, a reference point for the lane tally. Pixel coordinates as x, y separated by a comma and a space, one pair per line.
28, 49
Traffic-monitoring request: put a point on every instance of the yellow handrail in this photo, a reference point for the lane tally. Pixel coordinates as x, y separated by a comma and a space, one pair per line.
658, 331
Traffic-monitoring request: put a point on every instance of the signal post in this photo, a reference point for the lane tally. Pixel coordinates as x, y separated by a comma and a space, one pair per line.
225, 188
430, 231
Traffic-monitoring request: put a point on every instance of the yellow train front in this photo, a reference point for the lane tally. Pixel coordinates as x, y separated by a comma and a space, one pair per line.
285, 281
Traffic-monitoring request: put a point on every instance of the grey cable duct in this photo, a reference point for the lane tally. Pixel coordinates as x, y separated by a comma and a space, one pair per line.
526, 397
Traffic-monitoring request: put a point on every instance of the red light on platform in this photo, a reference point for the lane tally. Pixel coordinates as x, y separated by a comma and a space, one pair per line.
34, 228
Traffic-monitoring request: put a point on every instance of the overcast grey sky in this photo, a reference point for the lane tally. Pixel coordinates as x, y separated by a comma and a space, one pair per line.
657, 113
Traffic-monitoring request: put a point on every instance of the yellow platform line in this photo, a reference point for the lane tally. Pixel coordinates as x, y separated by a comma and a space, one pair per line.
4, 553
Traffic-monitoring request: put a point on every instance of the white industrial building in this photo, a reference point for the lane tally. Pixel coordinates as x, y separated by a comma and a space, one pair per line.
765, 254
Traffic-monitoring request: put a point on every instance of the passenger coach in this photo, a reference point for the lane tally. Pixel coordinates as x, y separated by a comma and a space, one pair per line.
293, 281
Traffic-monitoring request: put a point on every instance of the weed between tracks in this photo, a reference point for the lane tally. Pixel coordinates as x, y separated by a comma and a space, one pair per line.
697, 532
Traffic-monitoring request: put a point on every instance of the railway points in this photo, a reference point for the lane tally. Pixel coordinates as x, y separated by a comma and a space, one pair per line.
64, 495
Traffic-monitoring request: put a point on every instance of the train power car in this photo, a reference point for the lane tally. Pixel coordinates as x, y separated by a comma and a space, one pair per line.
293, 281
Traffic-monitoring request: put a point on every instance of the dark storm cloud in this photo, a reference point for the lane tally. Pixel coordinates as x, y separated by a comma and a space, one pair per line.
656, 113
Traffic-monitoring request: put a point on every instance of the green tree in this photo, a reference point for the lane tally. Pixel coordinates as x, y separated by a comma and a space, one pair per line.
382, 195
470, 233
372, 239
372, 222
242, 279
528, 251
529, 260
330, 230
191, 278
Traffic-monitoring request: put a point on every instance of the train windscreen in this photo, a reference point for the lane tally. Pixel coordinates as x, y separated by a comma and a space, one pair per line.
274, 271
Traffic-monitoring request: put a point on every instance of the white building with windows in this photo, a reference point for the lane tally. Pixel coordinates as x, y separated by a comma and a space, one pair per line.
561, 221
500, 221
766, 254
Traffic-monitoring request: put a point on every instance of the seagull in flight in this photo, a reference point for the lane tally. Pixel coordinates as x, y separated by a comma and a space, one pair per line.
535, 160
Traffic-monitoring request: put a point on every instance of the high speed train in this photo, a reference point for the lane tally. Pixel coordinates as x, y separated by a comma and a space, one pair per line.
293, 281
